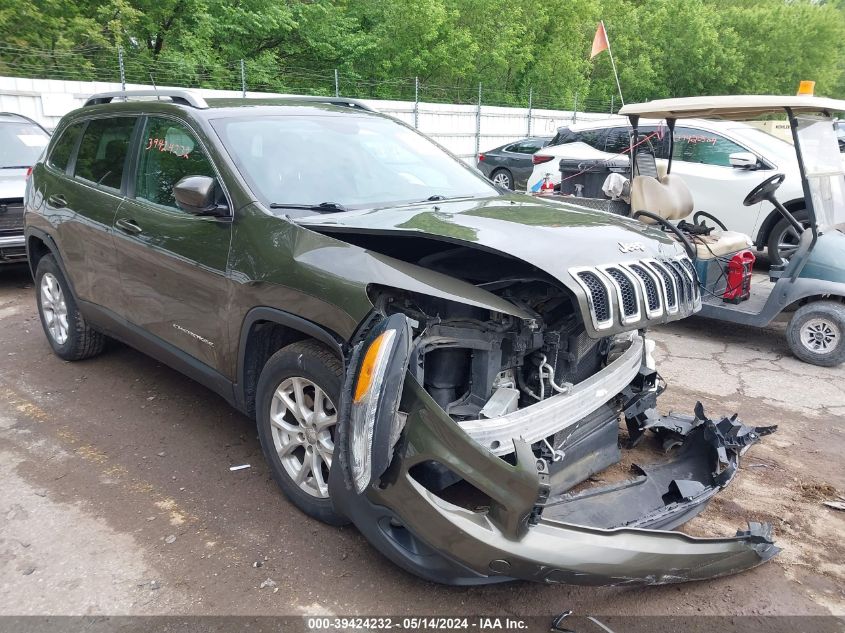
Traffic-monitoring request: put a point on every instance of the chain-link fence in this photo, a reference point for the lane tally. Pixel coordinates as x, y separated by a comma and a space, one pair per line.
465, 118
132, 67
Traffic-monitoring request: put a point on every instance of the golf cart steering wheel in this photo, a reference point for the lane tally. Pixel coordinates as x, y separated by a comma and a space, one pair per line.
764, 190
688, 247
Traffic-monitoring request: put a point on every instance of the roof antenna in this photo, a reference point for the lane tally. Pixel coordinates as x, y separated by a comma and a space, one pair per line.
153, 80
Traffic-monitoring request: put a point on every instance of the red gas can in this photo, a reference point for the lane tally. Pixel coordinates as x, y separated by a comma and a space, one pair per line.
739, 277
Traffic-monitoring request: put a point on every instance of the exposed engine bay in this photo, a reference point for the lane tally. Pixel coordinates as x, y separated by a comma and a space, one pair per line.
478, 416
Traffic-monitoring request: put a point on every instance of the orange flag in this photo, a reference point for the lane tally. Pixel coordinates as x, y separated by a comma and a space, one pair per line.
599, 41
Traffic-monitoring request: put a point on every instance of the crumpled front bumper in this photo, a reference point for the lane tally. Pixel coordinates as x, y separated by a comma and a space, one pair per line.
513, 538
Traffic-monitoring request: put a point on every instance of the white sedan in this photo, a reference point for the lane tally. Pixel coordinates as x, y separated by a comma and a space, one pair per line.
720, 161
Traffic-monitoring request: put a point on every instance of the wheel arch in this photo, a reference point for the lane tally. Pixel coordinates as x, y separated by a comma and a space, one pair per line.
40, 243
773, 218
265, 331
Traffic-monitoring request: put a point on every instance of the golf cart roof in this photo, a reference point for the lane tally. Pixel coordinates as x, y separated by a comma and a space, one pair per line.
734, 107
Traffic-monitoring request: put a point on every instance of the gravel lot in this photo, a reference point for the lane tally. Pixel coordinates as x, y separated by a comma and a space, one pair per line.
116, 495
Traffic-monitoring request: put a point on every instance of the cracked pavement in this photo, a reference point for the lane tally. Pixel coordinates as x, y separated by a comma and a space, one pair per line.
116, 495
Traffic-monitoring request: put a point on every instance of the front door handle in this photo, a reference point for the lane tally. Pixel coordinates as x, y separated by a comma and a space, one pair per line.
128, 226
57, 201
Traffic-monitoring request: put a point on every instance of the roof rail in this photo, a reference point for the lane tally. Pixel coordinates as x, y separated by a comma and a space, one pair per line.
182, 97
339, 101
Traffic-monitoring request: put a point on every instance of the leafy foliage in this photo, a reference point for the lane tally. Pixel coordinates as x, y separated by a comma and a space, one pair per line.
661, 47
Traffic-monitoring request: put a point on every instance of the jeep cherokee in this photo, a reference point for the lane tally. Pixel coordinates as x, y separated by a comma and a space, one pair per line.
443, 363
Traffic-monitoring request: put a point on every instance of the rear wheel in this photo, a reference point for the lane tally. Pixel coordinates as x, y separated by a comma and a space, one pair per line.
296, 404
503, 178
67, 332
784, 238
816, 333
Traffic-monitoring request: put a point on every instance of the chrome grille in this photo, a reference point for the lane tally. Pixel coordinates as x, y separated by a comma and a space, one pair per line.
621, 295
599, 297
651, 291
625, 289
11, 215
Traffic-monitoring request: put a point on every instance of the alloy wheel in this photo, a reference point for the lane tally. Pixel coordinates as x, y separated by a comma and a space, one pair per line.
820, 336
502, 180
54, 308
303, 420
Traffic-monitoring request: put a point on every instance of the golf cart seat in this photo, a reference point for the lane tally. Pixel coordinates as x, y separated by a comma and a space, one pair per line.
669, 197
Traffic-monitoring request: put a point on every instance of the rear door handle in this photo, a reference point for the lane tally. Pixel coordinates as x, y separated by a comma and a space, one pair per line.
128, 226
57, 201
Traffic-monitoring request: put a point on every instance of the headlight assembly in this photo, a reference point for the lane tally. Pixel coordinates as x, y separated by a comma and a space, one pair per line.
373, 424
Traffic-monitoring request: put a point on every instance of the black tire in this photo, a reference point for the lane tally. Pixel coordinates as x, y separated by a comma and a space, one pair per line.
825, 322
82, 341
317, 364
505, 178
783, 233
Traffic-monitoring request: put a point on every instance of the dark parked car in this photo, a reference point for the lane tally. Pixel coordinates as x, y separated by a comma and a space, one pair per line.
21, 142
431, 359
509, 165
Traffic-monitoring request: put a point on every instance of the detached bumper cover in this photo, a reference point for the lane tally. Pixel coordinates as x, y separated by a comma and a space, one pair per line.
518, 536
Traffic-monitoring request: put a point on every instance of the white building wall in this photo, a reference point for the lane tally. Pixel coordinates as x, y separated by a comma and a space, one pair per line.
454, 126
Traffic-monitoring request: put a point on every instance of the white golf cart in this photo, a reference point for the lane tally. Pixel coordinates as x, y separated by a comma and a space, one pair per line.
811, 283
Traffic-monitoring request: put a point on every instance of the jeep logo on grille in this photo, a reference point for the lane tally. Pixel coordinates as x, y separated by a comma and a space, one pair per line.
630, 247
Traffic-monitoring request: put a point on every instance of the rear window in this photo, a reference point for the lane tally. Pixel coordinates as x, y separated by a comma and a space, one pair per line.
60, 155
102, 152
21, 143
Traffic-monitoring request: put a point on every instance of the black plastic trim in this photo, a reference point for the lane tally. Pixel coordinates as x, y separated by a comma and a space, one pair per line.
274, 315
117, 327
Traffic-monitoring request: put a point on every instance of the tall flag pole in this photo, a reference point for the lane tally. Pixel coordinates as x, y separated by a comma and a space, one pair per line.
601, 43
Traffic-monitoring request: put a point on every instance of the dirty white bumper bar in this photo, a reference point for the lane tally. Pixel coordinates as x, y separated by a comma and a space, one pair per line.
558, 412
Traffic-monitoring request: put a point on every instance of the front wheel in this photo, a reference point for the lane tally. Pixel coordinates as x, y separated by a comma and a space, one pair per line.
784, 239
816, 333
296, 409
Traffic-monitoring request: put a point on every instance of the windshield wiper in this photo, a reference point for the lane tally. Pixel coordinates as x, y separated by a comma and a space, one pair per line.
326, 207
15, 166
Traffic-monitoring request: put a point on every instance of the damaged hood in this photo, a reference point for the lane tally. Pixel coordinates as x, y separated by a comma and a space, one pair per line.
549, 235
601, 258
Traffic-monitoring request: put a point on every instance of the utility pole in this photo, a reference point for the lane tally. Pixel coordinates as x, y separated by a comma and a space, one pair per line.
122, 68
478, 123
336, 84
530, 107
416, 103
243, 80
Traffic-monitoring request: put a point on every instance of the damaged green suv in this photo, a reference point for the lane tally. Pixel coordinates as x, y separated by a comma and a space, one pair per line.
443, 363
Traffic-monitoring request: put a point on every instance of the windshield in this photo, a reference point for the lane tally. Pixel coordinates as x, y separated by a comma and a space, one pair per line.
763, 141
823, 167
350, 161
21, 143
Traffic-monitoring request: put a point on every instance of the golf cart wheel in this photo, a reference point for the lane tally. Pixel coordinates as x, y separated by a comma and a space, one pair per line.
783, 240
816, 333
70, 337
503, 178
297, 402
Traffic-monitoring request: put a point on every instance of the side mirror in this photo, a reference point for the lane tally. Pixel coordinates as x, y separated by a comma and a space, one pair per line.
197, 195
743, 160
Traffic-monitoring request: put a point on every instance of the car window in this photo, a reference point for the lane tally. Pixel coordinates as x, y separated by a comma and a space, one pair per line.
102, 152
513, 147
593, 138
21, 143
658, 139
701, 146
169, 152
618, 140
60, 154
531, 146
